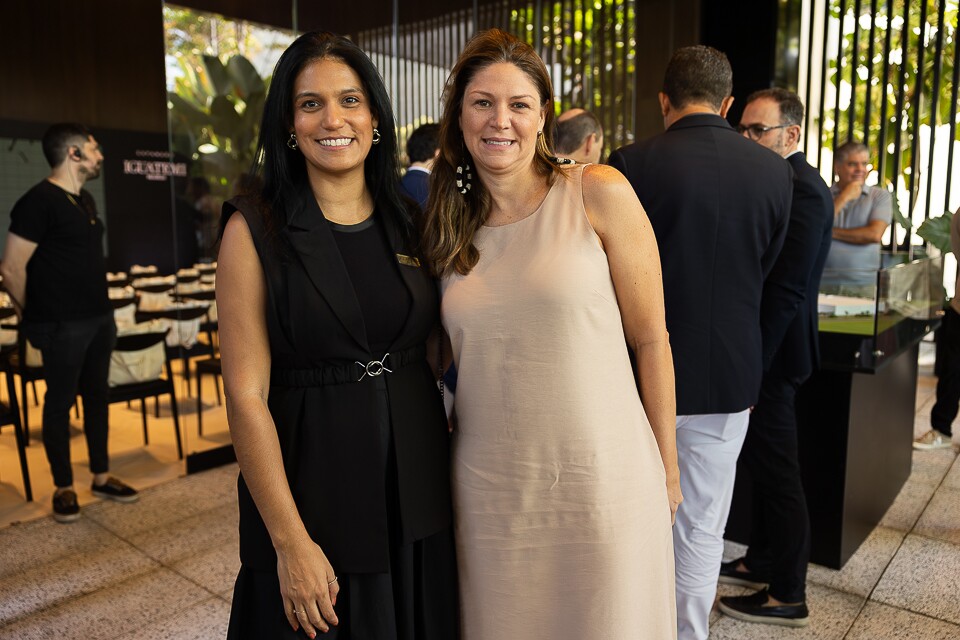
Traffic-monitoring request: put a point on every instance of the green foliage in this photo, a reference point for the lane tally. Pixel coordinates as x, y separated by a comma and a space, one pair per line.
217, 95
907, 38
936, 231
592, 44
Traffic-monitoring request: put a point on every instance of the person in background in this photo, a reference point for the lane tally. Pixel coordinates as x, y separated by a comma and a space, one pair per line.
780, 534
423, 147
564, 476
861, 216
718, 204
579, 136
53, 269
208, 215
325, 312
944, 411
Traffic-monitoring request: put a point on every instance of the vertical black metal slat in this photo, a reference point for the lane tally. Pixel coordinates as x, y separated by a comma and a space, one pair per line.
885, 80
808, 88
916, 102
953, 117
854, 67
868, 102
837, 76
934, 96
619, 64
601, 111
898, 128
823, 85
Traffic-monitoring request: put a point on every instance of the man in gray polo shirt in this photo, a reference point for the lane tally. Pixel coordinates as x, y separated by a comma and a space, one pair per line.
861, 215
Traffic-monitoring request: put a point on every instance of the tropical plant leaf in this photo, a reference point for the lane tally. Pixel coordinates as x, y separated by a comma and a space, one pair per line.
936, 231
898, 216
244, 76
217, 73
226, 121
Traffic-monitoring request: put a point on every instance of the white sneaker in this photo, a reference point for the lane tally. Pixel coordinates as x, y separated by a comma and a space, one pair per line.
932, 439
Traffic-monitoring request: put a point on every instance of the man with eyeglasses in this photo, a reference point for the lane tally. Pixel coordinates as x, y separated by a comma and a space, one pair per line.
780, 533
719, 206
861, 215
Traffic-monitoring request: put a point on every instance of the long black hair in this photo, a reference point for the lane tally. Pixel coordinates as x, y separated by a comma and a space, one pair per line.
282, 172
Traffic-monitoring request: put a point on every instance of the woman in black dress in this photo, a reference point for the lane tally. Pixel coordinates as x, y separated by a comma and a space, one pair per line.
325, 314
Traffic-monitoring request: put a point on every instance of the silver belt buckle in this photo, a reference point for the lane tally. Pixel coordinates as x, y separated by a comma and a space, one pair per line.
374, 368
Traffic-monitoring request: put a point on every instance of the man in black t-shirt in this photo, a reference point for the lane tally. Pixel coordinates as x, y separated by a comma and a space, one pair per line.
53, 269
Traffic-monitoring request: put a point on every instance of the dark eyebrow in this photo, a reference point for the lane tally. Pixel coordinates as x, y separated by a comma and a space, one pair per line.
314, 94
484, 93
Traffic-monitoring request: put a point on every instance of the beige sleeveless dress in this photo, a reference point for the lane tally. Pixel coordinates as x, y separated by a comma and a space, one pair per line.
562, 521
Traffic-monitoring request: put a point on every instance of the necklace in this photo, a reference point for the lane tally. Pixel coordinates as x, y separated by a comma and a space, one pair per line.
93, 218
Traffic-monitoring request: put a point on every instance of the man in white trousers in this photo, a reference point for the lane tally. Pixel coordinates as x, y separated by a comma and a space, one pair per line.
719, 205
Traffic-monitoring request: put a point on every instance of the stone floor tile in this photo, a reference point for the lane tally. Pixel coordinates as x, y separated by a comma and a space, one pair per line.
831, 614
202, 621
932, 466
103, 560
941, 518
923, 577
952, 479
908, 505
43, 541
175, 541
882, 621
110, 613
214, 569
167, 503
863, 570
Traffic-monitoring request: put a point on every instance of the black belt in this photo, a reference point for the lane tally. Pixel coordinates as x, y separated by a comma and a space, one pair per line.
349, 372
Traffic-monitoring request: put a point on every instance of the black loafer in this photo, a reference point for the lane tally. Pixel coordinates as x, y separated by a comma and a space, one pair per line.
730, 575
753, 608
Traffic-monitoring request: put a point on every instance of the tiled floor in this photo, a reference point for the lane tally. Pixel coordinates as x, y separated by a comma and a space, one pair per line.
164, 567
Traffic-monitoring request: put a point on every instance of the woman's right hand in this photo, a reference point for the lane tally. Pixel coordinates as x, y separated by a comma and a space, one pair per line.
309, 587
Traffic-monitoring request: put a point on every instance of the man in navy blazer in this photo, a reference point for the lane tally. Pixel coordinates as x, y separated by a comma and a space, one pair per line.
780, 533
423, 147
718, 204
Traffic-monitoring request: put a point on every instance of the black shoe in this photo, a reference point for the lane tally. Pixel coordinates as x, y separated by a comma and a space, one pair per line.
65, 507
753, 608
730, 575
114, 489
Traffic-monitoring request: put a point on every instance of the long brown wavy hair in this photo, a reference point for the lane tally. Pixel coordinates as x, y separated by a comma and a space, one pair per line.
451, 219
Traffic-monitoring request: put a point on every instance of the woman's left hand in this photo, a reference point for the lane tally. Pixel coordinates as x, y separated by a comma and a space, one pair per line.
674, 496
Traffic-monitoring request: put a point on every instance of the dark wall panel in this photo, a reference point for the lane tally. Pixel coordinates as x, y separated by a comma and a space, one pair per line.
747, 33
100, 63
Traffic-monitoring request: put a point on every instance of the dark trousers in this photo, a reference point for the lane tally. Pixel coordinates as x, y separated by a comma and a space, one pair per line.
780, 532
76, 359
948, 374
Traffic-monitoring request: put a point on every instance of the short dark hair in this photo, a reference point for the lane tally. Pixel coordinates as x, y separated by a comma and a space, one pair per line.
573, 131
281, 174
844, 150
698, 74
791, 107
60, 137
423, 142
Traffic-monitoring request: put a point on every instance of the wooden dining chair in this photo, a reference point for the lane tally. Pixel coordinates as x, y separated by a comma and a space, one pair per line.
141, 390
10, 409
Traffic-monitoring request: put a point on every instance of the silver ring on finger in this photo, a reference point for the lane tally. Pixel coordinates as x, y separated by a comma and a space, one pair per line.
295, 612
335, 578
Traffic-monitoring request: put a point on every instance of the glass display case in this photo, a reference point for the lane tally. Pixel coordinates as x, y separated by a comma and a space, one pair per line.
868, 317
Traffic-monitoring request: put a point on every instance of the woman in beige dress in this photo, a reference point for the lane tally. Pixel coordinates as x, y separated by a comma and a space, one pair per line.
565, 478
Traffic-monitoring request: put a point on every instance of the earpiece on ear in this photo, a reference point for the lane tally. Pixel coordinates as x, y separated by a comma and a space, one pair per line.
77, 155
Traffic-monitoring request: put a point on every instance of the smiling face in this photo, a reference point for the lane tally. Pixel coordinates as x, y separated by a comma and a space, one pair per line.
332, 118
501, 114
853, 168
